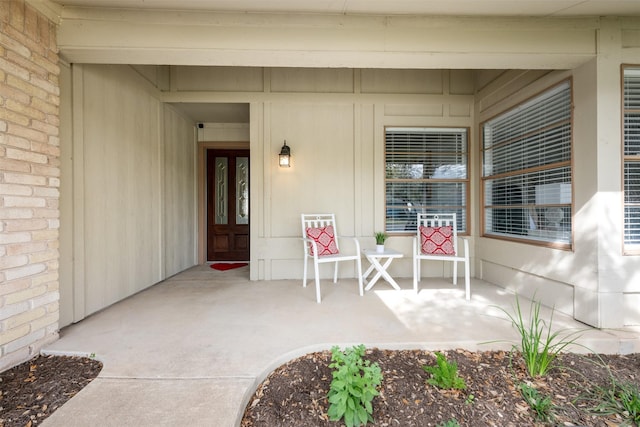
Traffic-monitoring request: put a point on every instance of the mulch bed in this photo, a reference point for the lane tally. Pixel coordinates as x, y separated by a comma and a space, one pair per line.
33, 390
295, 393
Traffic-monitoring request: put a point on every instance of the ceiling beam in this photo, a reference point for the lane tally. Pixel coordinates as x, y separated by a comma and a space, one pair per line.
89, 35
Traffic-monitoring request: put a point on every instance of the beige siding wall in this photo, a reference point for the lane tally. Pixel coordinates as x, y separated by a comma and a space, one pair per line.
629, 39
29, 182
334, 121
121, 189
179, 221
66, 198
594, 281
131, 189
549, 274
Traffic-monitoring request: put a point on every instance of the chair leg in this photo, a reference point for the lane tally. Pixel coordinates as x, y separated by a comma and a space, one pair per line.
359, 268
416, 273
317, 271
304, 274
467, 280
335, 273
455, 272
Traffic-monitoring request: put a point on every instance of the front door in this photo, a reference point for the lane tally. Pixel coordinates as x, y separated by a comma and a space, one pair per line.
227, 205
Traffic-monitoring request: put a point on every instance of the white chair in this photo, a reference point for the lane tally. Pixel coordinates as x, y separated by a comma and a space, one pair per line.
321, 244
437, 240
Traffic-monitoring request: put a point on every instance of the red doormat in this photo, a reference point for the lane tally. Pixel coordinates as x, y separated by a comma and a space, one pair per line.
223, 266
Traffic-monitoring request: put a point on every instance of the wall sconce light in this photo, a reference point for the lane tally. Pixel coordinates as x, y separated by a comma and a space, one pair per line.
285, 156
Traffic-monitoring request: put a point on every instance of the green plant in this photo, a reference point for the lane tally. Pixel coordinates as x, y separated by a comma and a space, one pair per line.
444, 374
539, 403
538, 344
470, 398
450, 423
380, 237
353, 387
622, 398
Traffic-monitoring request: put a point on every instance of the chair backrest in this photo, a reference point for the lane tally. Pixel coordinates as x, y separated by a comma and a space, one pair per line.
318, 221
433, 220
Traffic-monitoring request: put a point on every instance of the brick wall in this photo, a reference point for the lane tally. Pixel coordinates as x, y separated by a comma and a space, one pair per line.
29, 182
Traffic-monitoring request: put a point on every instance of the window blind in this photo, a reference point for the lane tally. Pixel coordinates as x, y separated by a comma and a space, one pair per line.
425, 171
631, 170
526, 169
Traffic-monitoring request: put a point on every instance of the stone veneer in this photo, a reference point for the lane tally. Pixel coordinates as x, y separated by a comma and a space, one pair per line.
29, 182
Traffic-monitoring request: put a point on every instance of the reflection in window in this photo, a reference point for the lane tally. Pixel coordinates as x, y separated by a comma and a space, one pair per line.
425, 171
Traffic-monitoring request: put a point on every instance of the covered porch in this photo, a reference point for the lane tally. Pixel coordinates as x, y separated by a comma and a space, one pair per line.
191, 349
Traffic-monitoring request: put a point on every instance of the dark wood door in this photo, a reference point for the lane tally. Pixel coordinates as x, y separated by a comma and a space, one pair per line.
227, 205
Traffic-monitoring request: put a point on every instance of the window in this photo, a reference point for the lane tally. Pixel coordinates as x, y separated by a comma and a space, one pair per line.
631, 137
426, 171
526, 170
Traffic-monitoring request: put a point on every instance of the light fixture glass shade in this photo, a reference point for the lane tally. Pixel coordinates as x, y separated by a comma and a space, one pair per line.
285, 156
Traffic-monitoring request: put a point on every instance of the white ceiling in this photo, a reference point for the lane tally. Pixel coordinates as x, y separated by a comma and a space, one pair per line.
386, 7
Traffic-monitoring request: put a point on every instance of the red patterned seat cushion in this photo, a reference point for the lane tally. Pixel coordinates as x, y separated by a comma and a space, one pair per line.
325, 239
436, 240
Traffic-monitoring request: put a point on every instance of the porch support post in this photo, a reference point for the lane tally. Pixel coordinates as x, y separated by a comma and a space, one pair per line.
598, 281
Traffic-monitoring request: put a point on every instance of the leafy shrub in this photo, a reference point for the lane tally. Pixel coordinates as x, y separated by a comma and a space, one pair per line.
538, 345
539, 403
444, 374
353, 387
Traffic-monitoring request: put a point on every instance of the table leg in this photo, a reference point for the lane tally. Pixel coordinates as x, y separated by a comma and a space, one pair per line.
368, 271
387, 276
381, 271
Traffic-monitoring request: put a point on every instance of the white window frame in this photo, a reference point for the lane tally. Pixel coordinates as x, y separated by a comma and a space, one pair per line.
526, 189
631, 159
434, 179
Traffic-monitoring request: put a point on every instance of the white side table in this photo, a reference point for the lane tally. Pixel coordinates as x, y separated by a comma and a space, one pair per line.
375, 258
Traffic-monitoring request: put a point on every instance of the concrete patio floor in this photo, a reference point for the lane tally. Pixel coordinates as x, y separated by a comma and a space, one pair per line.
192, 349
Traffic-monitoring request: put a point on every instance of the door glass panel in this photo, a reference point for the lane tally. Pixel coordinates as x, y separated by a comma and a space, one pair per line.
242, 190
222, 202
